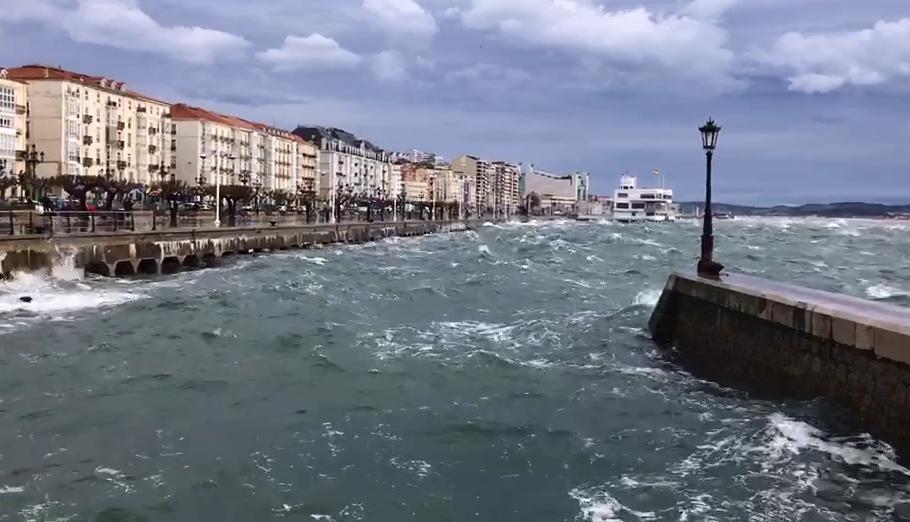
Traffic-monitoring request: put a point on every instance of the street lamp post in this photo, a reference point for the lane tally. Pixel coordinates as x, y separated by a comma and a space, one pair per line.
706, 264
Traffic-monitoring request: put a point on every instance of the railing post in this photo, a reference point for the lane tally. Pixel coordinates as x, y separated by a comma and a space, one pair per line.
69, 226
93, 221
153, 219
116, 219
12, 228
133, 222
31, 223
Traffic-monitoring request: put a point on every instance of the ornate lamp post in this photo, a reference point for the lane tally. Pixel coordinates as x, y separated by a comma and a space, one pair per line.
706, 264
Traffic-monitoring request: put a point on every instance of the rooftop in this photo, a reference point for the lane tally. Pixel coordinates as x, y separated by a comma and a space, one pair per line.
38, 72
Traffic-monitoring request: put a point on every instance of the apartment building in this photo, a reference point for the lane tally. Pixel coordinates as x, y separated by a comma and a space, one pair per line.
213, 148
506, 195
13, 124
307, 166
348, 163
281, 157
94, 126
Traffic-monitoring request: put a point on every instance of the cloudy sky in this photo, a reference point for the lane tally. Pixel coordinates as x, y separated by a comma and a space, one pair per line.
813, 95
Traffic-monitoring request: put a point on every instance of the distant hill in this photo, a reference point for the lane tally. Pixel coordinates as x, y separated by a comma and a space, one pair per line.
840, 210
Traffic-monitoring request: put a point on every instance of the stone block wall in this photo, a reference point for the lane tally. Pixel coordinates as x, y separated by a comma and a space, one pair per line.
795, 342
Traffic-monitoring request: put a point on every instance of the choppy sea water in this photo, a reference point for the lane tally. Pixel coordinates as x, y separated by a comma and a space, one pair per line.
502, 374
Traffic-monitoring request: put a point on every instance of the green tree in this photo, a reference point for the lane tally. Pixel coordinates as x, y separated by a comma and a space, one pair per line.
232, 195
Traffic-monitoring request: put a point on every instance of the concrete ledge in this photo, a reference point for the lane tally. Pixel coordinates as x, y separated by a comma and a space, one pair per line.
128, 253
742, 330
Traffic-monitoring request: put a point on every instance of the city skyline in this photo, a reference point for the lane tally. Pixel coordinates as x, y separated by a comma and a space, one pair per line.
809, 97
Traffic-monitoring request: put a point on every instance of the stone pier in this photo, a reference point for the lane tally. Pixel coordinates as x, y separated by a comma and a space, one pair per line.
784, 339
167, 251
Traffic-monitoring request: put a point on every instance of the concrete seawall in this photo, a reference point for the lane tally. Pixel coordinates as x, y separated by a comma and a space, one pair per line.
794, 341
128, 253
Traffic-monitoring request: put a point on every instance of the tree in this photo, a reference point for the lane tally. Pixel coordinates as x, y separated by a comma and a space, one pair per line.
173, 191
32, 186
114, 188
7, 181
308, 198
232, 195
279, 197
533, 202
76, 187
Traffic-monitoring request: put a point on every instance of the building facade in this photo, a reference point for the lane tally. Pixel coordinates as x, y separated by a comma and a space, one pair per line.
13, 124
554, 192
94, 126
307, 166
349, 164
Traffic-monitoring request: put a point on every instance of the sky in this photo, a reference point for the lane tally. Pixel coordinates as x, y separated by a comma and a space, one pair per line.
813, 95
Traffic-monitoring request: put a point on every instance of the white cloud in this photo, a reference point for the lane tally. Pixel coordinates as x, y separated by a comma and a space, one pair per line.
633, 37
708, 9
388, 66
121, 24
311, 52
401, 16
824, 62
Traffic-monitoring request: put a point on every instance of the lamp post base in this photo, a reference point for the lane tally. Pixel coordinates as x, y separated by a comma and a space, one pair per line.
709, 268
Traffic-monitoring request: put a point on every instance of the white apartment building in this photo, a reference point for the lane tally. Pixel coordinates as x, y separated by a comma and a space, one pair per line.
94, 126
281, 158
13, 124
212, 148
349, 164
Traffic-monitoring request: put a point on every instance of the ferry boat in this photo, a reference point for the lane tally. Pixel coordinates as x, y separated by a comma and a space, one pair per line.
634, 204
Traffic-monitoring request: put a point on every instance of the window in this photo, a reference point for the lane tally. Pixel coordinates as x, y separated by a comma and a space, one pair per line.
638, 206
622, 195
622, 205
7, 98
647, 196
6, 122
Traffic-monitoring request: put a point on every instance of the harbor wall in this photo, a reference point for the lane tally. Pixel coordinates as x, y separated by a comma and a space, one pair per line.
127, 253
783, 339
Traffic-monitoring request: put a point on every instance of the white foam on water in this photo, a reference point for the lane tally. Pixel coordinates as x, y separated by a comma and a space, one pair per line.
647, 298
883, 291
598, 506
792, 436
315, 260
484, 249
6, 490
56, 299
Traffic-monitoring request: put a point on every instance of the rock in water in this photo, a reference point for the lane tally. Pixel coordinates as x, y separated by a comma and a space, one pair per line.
26, 299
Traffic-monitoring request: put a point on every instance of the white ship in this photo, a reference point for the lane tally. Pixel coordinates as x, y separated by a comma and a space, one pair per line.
633, 204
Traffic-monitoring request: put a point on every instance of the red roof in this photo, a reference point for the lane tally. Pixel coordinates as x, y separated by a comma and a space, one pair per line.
36, 72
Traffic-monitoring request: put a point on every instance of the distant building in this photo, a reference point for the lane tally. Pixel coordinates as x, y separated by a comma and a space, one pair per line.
554, 192
349, 163
419, 156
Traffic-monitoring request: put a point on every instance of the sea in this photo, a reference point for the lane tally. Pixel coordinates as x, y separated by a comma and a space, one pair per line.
500, 374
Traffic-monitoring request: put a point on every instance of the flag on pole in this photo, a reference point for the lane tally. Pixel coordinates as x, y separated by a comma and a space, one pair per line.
656, 172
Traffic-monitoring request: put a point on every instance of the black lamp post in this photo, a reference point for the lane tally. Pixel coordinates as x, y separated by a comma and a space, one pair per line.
706, 264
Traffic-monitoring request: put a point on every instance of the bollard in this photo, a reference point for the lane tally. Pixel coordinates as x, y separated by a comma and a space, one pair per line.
69, 226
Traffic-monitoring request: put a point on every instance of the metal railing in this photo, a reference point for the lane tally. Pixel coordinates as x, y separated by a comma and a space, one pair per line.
57, 223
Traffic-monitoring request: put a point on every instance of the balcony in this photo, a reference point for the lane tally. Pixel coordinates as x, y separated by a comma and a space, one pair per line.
119, 144
153, 149
141, 109
153, 130
20, 109
21, 155
121, 165
173, 148
111, 103
87, 119
153, 168
120, 125
87, 140
87, 162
